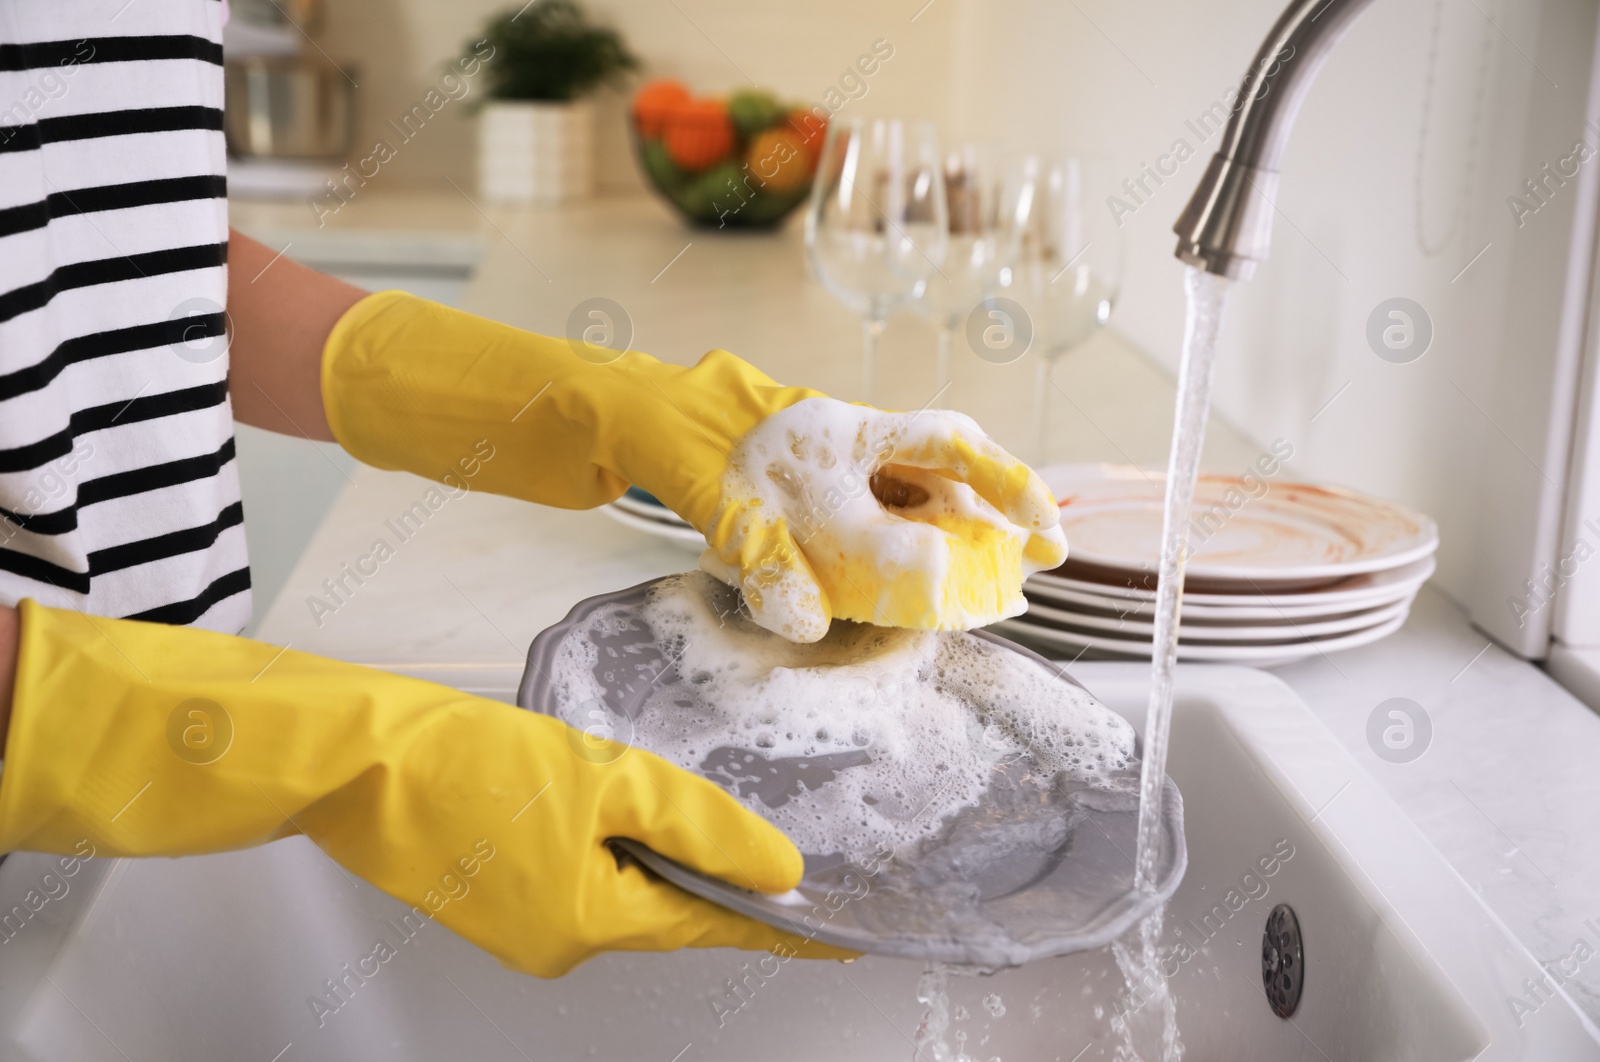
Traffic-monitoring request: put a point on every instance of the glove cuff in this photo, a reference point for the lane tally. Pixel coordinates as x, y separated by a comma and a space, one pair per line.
413, 385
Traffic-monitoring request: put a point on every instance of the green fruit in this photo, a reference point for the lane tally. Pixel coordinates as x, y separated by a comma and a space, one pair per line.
768, 205
753, 110
726, 192
659, 165
703, 197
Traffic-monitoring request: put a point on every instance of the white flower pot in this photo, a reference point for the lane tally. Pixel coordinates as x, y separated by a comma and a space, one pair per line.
536, 152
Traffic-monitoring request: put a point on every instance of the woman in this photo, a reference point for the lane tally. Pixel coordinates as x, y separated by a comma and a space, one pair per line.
137, 722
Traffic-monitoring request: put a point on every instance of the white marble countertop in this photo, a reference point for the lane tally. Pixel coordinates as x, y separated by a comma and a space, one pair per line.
1507, 789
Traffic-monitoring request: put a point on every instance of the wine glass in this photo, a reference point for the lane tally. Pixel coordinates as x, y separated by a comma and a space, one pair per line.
876, 229
1067, 268
976, 247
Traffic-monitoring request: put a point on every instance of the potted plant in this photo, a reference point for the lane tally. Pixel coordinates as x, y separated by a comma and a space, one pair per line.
536, 132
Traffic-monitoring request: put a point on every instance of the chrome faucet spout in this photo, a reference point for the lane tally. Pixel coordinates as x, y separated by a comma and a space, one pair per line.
1227, 226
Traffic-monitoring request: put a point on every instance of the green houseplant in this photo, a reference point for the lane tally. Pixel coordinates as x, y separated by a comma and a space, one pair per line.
536, 132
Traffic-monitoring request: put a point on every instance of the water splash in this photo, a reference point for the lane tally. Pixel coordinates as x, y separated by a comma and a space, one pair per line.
933, 992
1148, 1023
941, 1023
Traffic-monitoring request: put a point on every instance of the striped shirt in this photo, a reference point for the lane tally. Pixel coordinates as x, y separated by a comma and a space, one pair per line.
119, 493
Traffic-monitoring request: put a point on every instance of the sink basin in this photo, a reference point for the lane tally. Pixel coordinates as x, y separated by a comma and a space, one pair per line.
221, 956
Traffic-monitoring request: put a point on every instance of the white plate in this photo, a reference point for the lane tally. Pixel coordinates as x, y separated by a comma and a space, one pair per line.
1358, 591
1285, 534
1190, 632
1257, 656
681, 535
1382, 588
1098, 605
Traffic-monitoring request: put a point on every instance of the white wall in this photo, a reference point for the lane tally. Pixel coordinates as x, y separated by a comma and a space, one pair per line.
797, 50
1397, 175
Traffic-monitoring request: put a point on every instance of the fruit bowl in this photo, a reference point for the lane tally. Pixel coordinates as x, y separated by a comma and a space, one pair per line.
741, 162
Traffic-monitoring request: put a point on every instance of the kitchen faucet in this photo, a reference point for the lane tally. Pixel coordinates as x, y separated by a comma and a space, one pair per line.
1227, 226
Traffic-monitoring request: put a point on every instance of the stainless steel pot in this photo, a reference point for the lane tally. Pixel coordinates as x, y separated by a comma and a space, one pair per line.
287, 107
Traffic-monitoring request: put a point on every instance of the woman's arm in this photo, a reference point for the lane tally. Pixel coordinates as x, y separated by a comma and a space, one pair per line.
280, 314
8, 669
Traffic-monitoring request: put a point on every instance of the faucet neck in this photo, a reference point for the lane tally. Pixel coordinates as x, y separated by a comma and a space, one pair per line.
1226, 228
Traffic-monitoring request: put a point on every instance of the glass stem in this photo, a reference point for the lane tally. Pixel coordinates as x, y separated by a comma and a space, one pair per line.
1041, 409
942, 364
871, 332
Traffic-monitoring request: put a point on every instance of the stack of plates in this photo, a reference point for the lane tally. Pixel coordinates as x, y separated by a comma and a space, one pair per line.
1278, 571
642, 512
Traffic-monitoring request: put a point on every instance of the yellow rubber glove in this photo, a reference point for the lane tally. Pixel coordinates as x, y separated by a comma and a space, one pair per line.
144, 739
814, 508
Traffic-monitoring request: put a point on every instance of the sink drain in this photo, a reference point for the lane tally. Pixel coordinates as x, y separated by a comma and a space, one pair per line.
1283, 960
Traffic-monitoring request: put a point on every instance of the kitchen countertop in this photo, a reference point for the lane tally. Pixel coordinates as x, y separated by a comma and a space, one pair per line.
1506, 788
409, 228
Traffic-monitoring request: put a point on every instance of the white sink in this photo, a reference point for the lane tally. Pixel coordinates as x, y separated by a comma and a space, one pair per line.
219, 957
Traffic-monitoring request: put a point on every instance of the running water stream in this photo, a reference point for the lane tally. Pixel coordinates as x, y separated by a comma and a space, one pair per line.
1206, 294
1147, 1026
1150, 1029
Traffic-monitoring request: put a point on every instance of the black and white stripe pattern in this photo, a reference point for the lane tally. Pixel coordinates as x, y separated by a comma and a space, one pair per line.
118, 487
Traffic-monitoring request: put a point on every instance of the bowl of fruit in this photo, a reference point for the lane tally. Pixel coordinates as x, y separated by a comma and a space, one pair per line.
745, 161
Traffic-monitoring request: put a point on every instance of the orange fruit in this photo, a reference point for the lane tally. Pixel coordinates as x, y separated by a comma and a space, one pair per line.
811, 129
655, 102
699, 134
809, 126
779, 158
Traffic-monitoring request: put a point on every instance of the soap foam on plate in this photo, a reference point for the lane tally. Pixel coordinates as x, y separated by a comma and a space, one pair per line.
865, 740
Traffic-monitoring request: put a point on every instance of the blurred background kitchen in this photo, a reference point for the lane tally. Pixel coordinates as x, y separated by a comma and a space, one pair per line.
1427, 165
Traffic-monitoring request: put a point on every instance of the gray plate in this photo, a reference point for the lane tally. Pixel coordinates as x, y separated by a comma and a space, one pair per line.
1035, 869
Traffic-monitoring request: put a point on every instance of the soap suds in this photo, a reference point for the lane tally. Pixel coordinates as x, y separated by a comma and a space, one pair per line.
887, 534
869, 738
